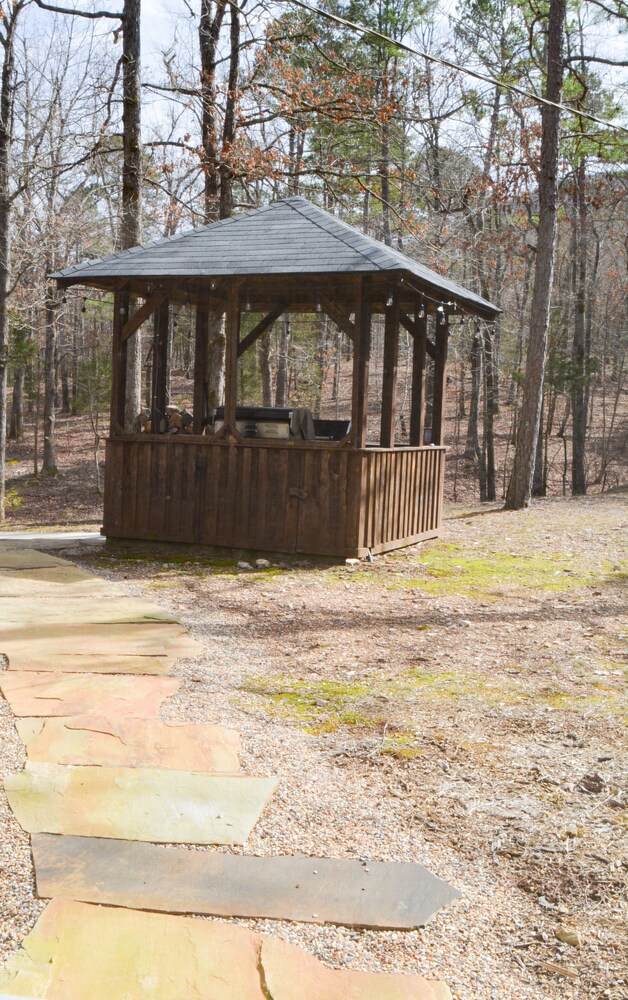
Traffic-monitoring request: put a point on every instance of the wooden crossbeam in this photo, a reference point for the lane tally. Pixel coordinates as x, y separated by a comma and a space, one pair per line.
261, 328
141, 315
414, 330
338, 316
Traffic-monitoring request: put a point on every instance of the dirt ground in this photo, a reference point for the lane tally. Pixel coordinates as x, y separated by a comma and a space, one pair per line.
461, 703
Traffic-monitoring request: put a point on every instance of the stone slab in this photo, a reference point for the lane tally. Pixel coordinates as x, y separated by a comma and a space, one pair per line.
92, 663
46, 694
131, 743
51, 539
313, 890
31, 643
181, 807
26, 558
82, 611
292, 974
50, 581
81, 952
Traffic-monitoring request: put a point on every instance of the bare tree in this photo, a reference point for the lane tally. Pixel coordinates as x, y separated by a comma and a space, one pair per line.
520, 486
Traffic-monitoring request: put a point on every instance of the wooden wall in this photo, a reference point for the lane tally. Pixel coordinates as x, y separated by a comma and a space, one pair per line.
297, 497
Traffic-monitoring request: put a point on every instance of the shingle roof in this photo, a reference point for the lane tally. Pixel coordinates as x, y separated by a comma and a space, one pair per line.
288, 237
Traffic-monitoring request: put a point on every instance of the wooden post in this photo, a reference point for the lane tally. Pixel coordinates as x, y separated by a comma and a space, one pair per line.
441, 339
389, 383
160, 367
200, 361
232, 334
417, 401
361, 356
119, 364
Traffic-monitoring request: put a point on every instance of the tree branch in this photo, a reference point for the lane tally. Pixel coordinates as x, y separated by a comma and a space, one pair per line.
93, 15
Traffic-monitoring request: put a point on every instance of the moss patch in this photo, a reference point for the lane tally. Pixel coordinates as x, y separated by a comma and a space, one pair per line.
451, 569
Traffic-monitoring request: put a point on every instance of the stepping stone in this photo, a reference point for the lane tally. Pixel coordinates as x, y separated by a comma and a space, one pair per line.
82, 952
131, 743
94, 953
46, 694
50, 580
83, 611
292, 974
313, 890
26, 559
181, 807
93, 663
27, 646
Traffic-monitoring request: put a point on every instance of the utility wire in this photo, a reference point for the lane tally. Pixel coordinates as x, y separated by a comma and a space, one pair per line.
364, 30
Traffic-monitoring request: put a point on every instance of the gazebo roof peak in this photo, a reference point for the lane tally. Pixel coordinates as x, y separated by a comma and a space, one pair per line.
288, 237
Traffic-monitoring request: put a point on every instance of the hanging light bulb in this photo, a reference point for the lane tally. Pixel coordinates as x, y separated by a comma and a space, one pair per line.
247, 304
389, 300
421, 312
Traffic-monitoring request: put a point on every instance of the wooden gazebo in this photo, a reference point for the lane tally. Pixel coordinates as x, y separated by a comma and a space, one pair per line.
217, 486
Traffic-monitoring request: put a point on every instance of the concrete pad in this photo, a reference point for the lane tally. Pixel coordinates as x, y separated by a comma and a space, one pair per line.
46, 694
82, 611
312, 890
80, 952
131, 743
292, 974
137, 803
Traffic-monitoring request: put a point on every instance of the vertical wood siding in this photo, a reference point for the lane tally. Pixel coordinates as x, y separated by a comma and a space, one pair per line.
326, 501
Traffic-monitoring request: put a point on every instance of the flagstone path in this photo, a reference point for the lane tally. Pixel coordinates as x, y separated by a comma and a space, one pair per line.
83, 673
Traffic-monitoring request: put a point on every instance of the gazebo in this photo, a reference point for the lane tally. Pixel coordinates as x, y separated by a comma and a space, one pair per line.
230, 484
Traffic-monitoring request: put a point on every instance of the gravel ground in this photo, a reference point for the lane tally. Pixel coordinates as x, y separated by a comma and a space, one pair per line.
437, 706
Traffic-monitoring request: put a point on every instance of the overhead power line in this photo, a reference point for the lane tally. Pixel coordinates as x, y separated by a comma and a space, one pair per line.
362, 29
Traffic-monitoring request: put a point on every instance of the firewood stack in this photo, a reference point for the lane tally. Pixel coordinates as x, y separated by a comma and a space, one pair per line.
177, 421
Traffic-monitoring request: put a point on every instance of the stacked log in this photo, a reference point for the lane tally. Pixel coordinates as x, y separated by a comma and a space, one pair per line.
178, 421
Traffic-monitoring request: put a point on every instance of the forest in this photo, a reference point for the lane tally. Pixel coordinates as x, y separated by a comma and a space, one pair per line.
422, 124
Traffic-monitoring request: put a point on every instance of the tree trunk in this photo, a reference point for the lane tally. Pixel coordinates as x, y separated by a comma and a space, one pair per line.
210, 24
475, 364
520, 486
49, 464
264, 366
490, 409
16, 429
131, 217
578, 351
7, 100
281, 389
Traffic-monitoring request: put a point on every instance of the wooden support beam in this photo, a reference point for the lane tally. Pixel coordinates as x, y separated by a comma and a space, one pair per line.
232, 335
200, 362
441, 336
160, 367
361, 357
389, 378
417, 398
261, 327
119, 361
141, 315
338, 316
411, 326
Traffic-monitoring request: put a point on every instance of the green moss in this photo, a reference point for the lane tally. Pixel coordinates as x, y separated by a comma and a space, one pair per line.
448, 568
